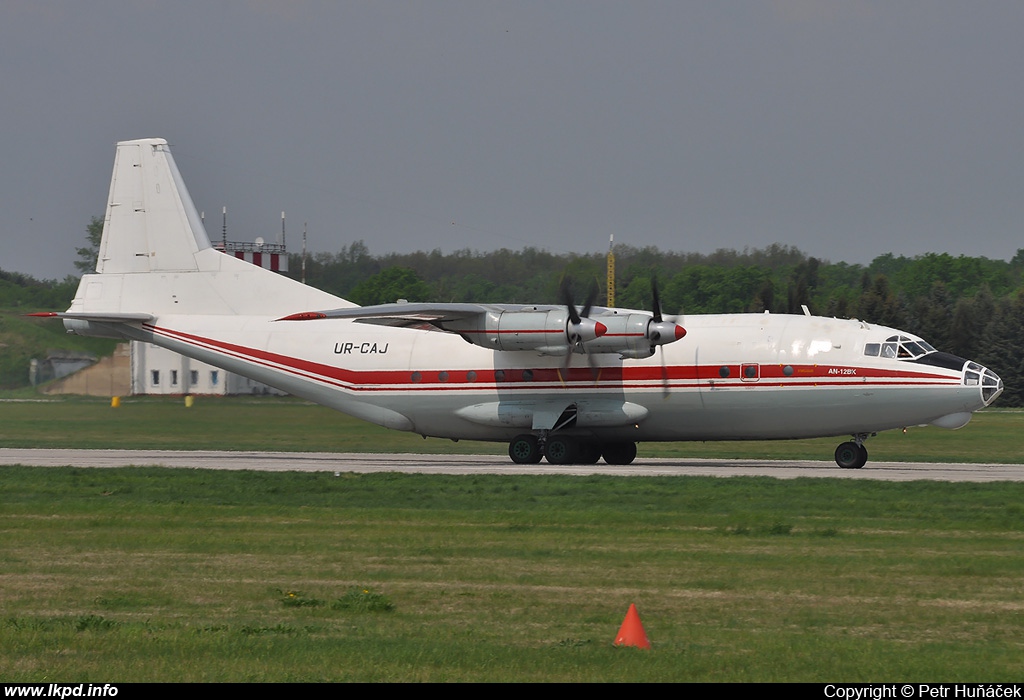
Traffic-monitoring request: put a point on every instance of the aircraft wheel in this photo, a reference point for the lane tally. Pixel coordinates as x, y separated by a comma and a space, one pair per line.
589, 453
863, 457
560, 450
619, 452
524, 449
850, 455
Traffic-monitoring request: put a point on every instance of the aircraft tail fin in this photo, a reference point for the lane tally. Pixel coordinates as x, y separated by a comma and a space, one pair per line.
151, 223
155, 257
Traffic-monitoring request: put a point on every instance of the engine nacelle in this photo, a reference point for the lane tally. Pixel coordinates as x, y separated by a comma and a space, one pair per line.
634, 336
546, 332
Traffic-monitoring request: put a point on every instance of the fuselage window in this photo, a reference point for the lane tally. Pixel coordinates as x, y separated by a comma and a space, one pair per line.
872, 349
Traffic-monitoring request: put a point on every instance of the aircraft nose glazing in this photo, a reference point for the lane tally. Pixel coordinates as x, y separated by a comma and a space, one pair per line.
991, 385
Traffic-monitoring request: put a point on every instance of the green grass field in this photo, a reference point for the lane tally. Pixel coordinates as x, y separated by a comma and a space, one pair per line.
150, 574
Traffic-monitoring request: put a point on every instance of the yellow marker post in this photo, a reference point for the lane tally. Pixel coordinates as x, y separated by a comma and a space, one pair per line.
115, 401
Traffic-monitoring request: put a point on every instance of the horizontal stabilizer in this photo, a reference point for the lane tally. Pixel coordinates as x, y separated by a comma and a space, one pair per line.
97, 317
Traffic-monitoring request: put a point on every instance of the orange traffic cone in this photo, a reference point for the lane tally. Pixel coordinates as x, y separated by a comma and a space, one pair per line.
632, 634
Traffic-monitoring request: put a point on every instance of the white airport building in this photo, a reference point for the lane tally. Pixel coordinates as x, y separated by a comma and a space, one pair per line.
156, 370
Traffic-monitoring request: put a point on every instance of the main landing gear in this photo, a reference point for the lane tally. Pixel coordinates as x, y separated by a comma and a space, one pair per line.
558, 449
529, 449
852, 454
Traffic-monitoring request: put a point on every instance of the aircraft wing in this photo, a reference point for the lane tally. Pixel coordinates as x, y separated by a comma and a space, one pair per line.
545, 329
424, 316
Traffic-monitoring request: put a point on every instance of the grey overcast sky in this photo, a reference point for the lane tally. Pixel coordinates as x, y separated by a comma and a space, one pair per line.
846, 129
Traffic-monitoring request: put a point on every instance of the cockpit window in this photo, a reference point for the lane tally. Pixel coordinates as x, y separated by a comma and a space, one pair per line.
915, 348
898, 347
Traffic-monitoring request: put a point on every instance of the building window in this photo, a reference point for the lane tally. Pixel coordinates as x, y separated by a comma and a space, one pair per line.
155, 376
174, 377
193, 377
214, 376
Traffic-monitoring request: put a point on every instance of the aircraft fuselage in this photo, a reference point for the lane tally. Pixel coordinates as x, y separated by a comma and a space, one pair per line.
736, 376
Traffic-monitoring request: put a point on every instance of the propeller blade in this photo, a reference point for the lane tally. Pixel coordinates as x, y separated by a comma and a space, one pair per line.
566, 293
580, 346
656, 305
664, 375
591, 298
580, 328
595, 370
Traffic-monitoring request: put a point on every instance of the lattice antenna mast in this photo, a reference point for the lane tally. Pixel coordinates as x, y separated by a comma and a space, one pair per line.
611, 270
304, 252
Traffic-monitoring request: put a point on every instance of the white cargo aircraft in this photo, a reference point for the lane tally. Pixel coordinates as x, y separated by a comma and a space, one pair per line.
508, 373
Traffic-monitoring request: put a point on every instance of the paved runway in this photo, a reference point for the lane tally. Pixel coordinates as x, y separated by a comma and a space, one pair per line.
480, 464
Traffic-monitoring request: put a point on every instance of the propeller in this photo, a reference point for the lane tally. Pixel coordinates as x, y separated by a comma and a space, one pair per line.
580, 328
662, 330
